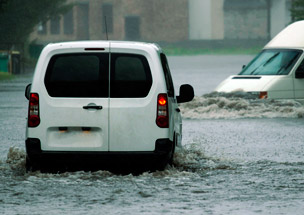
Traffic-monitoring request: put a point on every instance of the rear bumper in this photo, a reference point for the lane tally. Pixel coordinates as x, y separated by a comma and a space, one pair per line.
162, 152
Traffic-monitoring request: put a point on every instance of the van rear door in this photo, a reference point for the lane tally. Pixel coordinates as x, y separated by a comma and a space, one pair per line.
74, 113
132, 104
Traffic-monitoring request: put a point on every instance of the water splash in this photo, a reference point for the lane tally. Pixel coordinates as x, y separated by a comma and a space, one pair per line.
16, 159
192, 158
188, 160
240, 105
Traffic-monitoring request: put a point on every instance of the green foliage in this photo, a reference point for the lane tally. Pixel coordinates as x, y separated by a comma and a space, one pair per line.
2, 4
297, 10
19, 17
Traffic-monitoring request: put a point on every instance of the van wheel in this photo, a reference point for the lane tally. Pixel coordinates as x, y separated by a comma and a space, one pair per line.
171, 155
30, 166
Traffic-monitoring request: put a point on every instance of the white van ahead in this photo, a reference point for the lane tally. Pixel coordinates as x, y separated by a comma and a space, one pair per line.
277, 72
100, 102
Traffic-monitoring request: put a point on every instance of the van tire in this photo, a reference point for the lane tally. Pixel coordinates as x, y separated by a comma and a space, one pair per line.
171, 155
30, 166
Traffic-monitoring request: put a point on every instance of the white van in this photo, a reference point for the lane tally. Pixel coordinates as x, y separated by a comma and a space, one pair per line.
102, 102
277, 72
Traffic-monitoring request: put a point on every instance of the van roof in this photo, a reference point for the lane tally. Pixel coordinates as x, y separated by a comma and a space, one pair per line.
102, 43
290, 37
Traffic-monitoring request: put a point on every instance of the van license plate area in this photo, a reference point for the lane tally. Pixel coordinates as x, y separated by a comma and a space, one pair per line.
74, 137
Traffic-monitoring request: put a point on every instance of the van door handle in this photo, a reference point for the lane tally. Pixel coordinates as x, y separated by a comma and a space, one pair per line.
92, 107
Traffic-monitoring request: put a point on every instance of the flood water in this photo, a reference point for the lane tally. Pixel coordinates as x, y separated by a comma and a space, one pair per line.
239, 156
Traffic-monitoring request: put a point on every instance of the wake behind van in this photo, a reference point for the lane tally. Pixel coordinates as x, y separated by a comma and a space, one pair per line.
277, 72
103, 101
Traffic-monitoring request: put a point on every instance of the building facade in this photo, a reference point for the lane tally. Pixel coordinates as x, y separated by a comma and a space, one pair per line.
206, 20
166, 20
118, 20
258, 19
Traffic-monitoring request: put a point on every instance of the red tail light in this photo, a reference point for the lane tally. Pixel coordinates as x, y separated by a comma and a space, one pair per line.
162, 118
33, 112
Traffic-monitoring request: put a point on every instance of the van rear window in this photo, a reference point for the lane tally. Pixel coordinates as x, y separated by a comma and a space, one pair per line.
87, 75
78, 75
130, 76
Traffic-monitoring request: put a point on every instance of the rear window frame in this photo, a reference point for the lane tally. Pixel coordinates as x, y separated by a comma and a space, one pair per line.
146, 65
51, 64
108, 76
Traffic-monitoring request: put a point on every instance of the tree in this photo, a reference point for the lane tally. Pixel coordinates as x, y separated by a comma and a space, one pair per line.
297, 10
2, 3
19, 17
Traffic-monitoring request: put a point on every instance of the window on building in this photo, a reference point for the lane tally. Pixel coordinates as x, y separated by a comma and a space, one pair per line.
55, 25
68, 22
42, 28
132, 28
83, 32
107, 17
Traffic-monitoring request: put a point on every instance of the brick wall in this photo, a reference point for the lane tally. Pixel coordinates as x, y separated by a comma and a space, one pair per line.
170, 21
159, 20
245, 19
246, 24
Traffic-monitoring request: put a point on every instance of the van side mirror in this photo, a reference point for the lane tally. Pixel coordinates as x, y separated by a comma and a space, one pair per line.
300, 74
186, 93
243, 66
28, 91
300, 71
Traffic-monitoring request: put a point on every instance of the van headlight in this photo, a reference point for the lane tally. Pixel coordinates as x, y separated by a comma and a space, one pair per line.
263, 95
259, 95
